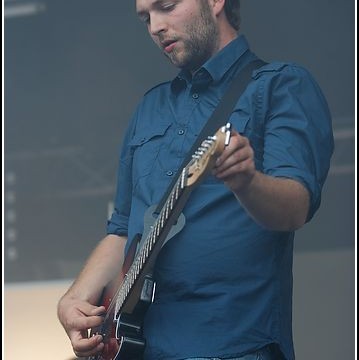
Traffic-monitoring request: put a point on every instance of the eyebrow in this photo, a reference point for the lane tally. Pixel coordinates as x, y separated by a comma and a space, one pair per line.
155, 4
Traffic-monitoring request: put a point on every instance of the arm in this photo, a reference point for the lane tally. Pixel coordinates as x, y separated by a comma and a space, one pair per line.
275, 203
77, 309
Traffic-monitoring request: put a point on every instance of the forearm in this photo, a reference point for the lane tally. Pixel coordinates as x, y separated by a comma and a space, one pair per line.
103, 265
276, 203
78, 310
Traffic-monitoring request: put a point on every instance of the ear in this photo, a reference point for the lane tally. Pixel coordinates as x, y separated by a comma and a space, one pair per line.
217, 6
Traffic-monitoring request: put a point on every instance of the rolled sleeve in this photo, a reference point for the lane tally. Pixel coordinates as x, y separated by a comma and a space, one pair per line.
298, 133
117, 224
119, 220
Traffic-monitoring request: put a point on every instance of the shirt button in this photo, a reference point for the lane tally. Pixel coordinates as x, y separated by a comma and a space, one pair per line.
169, 173
180, 132
195, 96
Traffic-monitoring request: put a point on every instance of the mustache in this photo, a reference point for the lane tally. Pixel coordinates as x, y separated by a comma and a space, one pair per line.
166, 40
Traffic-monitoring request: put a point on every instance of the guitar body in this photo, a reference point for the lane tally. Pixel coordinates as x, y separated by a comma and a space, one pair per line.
128, 297
123, 332
123, 336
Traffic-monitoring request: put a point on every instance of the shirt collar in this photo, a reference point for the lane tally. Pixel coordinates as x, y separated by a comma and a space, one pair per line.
215, 68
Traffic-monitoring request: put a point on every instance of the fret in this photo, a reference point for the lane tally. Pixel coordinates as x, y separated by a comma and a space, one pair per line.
167, 209
177, 189
130, 282
183, 178
159, 226
151, 241
138, 266
172, 199
162, 219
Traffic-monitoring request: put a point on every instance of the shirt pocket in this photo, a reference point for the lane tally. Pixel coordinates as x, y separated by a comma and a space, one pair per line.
145, 146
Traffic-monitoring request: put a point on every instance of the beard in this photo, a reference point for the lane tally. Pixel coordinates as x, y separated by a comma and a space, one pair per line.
200, 44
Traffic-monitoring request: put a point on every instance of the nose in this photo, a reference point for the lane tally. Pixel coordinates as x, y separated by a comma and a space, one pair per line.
157, 24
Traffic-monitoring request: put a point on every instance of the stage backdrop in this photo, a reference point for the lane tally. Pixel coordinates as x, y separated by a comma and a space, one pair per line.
73, 73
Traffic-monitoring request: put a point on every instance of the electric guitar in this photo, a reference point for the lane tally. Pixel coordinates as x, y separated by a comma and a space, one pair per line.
127, 299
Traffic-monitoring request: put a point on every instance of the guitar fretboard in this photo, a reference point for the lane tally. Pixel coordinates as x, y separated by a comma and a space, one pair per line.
155, 235
168, 215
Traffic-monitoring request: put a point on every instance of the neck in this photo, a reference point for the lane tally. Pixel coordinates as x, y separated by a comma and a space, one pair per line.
226, 35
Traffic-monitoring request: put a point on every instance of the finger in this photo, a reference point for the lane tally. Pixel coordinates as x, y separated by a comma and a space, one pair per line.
234, 161
82, 342
90, 322
83, 322
236, 169
88, 347
89, 309
236, 140
236, 143
98, 311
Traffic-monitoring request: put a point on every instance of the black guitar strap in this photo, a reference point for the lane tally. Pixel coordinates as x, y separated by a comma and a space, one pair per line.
218, 117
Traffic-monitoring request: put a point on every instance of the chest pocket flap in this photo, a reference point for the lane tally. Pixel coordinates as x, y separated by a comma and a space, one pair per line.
146, 145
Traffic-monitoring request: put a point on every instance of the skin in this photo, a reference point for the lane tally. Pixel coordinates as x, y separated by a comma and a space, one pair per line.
77, 310
188, 32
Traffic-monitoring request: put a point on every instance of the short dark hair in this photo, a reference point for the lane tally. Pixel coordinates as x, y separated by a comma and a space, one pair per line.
231, 8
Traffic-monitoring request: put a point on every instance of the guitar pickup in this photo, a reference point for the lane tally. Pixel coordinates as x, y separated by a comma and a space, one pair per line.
148, 290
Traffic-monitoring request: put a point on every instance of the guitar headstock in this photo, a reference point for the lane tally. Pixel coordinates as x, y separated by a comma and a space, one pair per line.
204, 158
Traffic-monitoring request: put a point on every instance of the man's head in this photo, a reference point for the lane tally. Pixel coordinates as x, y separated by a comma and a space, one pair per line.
189, 31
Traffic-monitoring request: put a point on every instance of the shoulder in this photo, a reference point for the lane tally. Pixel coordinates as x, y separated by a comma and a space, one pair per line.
153, 98
281, 69
278, 76
150, 106
158, 88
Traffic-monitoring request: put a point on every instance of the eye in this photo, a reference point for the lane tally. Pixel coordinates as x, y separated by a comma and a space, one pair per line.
145, 18
168, 6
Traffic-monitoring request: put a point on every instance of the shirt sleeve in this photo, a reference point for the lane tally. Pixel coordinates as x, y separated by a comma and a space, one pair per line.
118, 222
298, 141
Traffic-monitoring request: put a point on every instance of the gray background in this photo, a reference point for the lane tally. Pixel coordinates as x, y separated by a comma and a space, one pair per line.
75, 70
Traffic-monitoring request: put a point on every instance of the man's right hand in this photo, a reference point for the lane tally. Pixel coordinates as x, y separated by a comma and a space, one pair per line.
77, 317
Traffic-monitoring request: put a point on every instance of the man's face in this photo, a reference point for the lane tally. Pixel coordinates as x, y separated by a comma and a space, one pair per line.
185, 30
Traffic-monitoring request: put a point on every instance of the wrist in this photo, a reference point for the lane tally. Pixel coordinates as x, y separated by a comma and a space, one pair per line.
244, 187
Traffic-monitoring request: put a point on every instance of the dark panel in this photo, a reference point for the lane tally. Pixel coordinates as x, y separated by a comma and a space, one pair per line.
74, 74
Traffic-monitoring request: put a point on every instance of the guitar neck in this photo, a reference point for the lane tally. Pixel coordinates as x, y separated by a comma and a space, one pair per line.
155, 238
202, 161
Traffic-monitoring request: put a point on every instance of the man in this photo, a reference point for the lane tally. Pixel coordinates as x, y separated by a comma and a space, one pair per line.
224, 282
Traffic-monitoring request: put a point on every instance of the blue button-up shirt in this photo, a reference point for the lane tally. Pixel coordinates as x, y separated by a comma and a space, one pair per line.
224, 283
